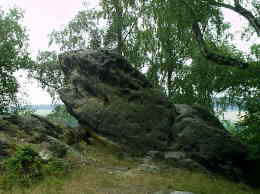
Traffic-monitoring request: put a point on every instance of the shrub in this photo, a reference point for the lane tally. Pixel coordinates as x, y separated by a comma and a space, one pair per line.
57, 167
59, 149
22, 169
26, 167
250, 133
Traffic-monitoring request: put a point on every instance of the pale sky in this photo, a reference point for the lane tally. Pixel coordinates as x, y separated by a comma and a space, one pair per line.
42, 16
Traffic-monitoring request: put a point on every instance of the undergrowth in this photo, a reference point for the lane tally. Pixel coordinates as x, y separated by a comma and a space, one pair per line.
26, 168
101, 176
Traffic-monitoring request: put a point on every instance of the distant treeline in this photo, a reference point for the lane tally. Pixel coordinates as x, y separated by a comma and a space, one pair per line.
52, 106
41, 106
228, 108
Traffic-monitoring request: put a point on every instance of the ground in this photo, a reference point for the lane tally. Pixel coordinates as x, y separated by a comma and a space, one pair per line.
104, 171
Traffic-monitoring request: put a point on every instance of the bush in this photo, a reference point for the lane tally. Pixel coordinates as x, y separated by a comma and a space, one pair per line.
22, 169
61, 116
250, 133
59, 150
57, 167
26, 167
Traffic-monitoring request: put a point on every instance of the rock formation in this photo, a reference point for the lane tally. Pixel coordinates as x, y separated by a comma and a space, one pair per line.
45, 137
106, 94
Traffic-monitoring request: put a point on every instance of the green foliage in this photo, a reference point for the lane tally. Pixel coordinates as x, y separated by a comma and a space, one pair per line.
230, 126
14, 55
23, 168
47, 71
255, 50
158, 35
26, 168
57, 167
58, 149
22, 108
81, 32
249, 126
60, 115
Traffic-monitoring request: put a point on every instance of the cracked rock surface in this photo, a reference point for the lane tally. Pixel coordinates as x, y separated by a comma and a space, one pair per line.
108, 95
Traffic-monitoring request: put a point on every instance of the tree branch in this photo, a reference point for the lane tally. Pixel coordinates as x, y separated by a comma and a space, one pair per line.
253, 20
215, 57
208, 54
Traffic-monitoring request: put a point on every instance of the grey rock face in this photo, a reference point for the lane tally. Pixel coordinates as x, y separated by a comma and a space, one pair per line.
174, 155
108, 95
45, 136
180, 159
202, 137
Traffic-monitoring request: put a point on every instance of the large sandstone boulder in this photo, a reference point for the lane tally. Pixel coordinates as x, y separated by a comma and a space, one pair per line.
106, 94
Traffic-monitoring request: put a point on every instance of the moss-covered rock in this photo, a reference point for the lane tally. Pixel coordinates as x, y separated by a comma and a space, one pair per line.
36, 131
107, 95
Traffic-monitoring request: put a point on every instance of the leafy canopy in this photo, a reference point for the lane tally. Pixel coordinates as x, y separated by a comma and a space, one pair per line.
185, 46
14, 55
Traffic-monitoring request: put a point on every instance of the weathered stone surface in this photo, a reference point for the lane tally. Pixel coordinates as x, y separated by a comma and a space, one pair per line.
108, 95
174, 155
202, 137
41, 134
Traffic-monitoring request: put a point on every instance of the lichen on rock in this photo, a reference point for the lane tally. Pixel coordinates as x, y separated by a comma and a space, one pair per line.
106, 94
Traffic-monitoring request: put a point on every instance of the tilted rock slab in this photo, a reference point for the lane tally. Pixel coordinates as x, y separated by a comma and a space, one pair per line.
106, 94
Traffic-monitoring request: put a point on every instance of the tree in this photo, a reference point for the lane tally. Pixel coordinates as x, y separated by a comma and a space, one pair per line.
47, 71
14, 55
253, 20
182, 45
81, 32
185, 47
174, 33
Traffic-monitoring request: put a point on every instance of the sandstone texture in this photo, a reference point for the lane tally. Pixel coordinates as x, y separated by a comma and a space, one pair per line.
108, 95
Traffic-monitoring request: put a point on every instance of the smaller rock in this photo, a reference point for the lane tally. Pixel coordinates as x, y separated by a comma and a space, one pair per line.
174, 155
161, 192
153, 153
181, 192
191, 165
58, 148
148, 168
147, 159
180, 159
118, 168
45, 155
173, 192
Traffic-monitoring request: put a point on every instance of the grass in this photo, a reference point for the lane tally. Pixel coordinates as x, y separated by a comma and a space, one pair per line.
107, 173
